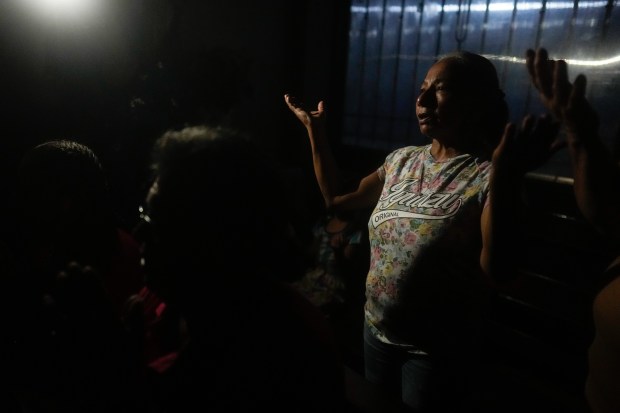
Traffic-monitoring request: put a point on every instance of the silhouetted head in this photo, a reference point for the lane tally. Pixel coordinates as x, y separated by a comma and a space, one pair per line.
63, 202
218, 214
69, 168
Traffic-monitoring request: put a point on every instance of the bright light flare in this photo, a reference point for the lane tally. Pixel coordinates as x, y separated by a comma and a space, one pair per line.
612, 60
65, 11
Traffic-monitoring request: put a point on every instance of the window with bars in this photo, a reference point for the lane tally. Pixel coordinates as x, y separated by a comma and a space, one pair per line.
392, 43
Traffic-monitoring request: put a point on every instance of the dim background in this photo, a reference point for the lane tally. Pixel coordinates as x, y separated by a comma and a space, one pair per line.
116, 76
119, 76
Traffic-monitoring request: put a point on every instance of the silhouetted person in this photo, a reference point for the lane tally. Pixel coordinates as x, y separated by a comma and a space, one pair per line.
219, 252
65, 345
63, 214
597, 191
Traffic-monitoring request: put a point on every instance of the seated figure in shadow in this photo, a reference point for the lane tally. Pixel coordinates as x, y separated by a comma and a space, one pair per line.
337, 261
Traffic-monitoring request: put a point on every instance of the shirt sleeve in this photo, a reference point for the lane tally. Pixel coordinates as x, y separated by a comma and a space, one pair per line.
381, 172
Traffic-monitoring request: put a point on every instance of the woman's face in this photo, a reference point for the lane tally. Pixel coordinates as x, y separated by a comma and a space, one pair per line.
441, 107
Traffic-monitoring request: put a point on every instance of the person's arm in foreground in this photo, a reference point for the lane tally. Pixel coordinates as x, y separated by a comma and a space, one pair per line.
596, 175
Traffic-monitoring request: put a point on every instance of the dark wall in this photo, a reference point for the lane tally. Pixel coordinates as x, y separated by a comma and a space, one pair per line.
142, 67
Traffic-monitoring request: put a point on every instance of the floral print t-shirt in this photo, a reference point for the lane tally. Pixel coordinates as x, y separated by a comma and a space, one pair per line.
425, 284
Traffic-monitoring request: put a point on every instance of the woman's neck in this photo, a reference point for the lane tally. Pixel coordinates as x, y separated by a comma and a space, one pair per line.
443, 152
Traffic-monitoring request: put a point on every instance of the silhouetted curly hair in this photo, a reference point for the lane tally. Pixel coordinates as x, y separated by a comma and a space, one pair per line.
63, 204
64, 169
219, 206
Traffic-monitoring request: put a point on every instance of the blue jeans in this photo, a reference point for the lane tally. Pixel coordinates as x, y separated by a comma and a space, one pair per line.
423, 382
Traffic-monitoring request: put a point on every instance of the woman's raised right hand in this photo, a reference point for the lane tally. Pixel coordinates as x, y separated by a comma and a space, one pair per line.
310, 119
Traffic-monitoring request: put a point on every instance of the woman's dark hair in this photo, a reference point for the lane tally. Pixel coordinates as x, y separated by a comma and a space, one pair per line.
478, 78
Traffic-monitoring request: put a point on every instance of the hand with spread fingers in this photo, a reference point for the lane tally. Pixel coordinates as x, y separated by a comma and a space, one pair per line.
566, 101
594, 169
550, 78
